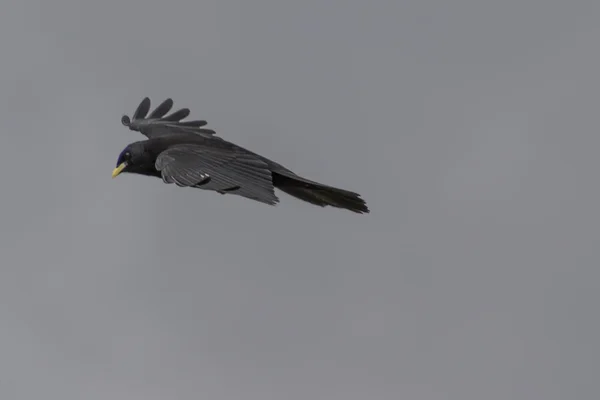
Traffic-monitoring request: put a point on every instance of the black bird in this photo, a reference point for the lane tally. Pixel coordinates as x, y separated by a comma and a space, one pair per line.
185, 153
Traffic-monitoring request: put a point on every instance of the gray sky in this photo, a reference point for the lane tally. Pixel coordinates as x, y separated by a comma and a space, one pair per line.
469, 126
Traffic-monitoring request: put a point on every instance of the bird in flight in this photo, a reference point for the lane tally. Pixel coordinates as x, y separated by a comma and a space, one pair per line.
189, 155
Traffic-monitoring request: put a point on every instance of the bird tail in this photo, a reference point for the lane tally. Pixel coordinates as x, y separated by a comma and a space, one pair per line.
319, 194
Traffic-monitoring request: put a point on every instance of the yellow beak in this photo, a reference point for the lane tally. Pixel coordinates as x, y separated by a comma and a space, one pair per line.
119, 169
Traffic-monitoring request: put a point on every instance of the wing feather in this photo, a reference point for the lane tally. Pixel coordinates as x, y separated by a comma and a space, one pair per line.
191, 165
159, 124
162, 109
196, 123
142, 109
177, 115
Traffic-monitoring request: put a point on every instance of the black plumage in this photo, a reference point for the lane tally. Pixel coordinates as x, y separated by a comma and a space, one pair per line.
188, 155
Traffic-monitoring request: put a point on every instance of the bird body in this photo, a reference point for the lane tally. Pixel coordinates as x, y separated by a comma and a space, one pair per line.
188, 155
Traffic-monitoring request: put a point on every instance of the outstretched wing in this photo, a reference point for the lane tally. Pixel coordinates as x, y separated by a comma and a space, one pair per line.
218, 168
158, 123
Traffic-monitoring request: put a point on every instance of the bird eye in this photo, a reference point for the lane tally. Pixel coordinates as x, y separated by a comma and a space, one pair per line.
127, 155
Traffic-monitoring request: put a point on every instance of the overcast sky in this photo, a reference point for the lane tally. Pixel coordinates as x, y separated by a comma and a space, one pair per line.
470, 127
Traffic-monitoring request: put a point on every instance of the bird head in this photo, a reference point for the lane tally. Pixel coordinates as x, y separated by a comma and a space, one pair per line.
131, 158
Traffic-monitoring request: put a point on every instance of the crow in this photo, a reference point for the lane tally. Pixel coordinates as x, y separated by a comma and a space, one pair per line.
189, 155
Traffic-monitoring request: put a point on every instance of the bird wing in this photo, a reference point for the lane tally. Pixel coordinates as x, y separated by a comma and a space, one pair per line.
157, 123
217, 168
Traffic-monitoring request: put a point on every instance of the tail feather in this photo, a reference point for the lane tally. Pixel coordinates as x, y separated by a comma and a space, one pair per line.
319, 194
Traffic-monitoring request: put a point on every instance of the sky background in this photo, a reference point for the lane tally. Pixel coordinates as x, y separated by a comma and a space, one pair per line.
469, 126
